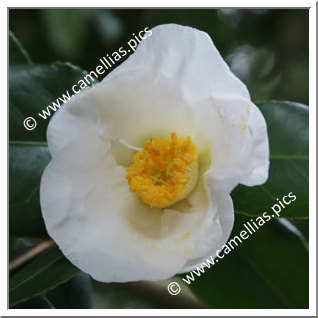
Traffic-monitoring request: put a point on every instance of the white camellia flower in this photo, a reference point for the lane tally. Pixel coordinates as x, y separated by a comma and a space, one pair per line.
144, 162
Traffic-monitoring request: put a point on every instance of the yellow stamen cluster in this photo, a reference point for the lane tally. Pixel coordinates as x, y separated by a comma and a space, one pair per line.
165, 171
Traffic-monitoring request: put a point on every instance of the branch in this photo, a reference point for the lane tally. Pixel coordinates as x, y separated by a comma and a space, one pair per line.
22, 259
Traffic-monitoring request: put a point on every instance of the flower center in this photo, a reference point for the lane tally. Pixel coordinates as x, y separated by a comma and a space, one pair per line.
165, 171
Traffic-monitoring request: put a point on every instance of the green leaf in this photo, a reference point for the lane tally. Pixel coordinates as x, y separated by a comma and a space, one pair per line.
303, 226
287, 125
27, 161
74, 294
18, 54
268, 270
32, 88
37, 302
42, 274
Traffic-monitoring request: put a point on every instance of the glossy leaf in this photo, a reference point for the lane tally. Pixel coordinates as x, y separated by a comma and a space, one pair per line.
27, 161
287, 125
74, 294
37, 302
45, 272
18, 54
32, 89
268, 270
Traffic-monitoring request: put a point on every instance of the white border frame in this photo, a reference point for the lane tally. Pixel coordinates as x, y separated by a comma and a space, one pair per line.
312, 162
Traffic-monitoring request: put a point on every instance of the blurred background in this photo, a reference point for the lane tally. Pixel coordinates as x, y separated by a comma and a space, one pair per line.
266, 48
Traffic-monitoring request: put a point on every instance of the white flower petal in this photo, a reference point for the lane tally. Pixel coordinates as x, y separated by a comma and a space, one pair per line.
91, 217
259, 160
224, 217
176, 81
105, 230
161, 90
188, 55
